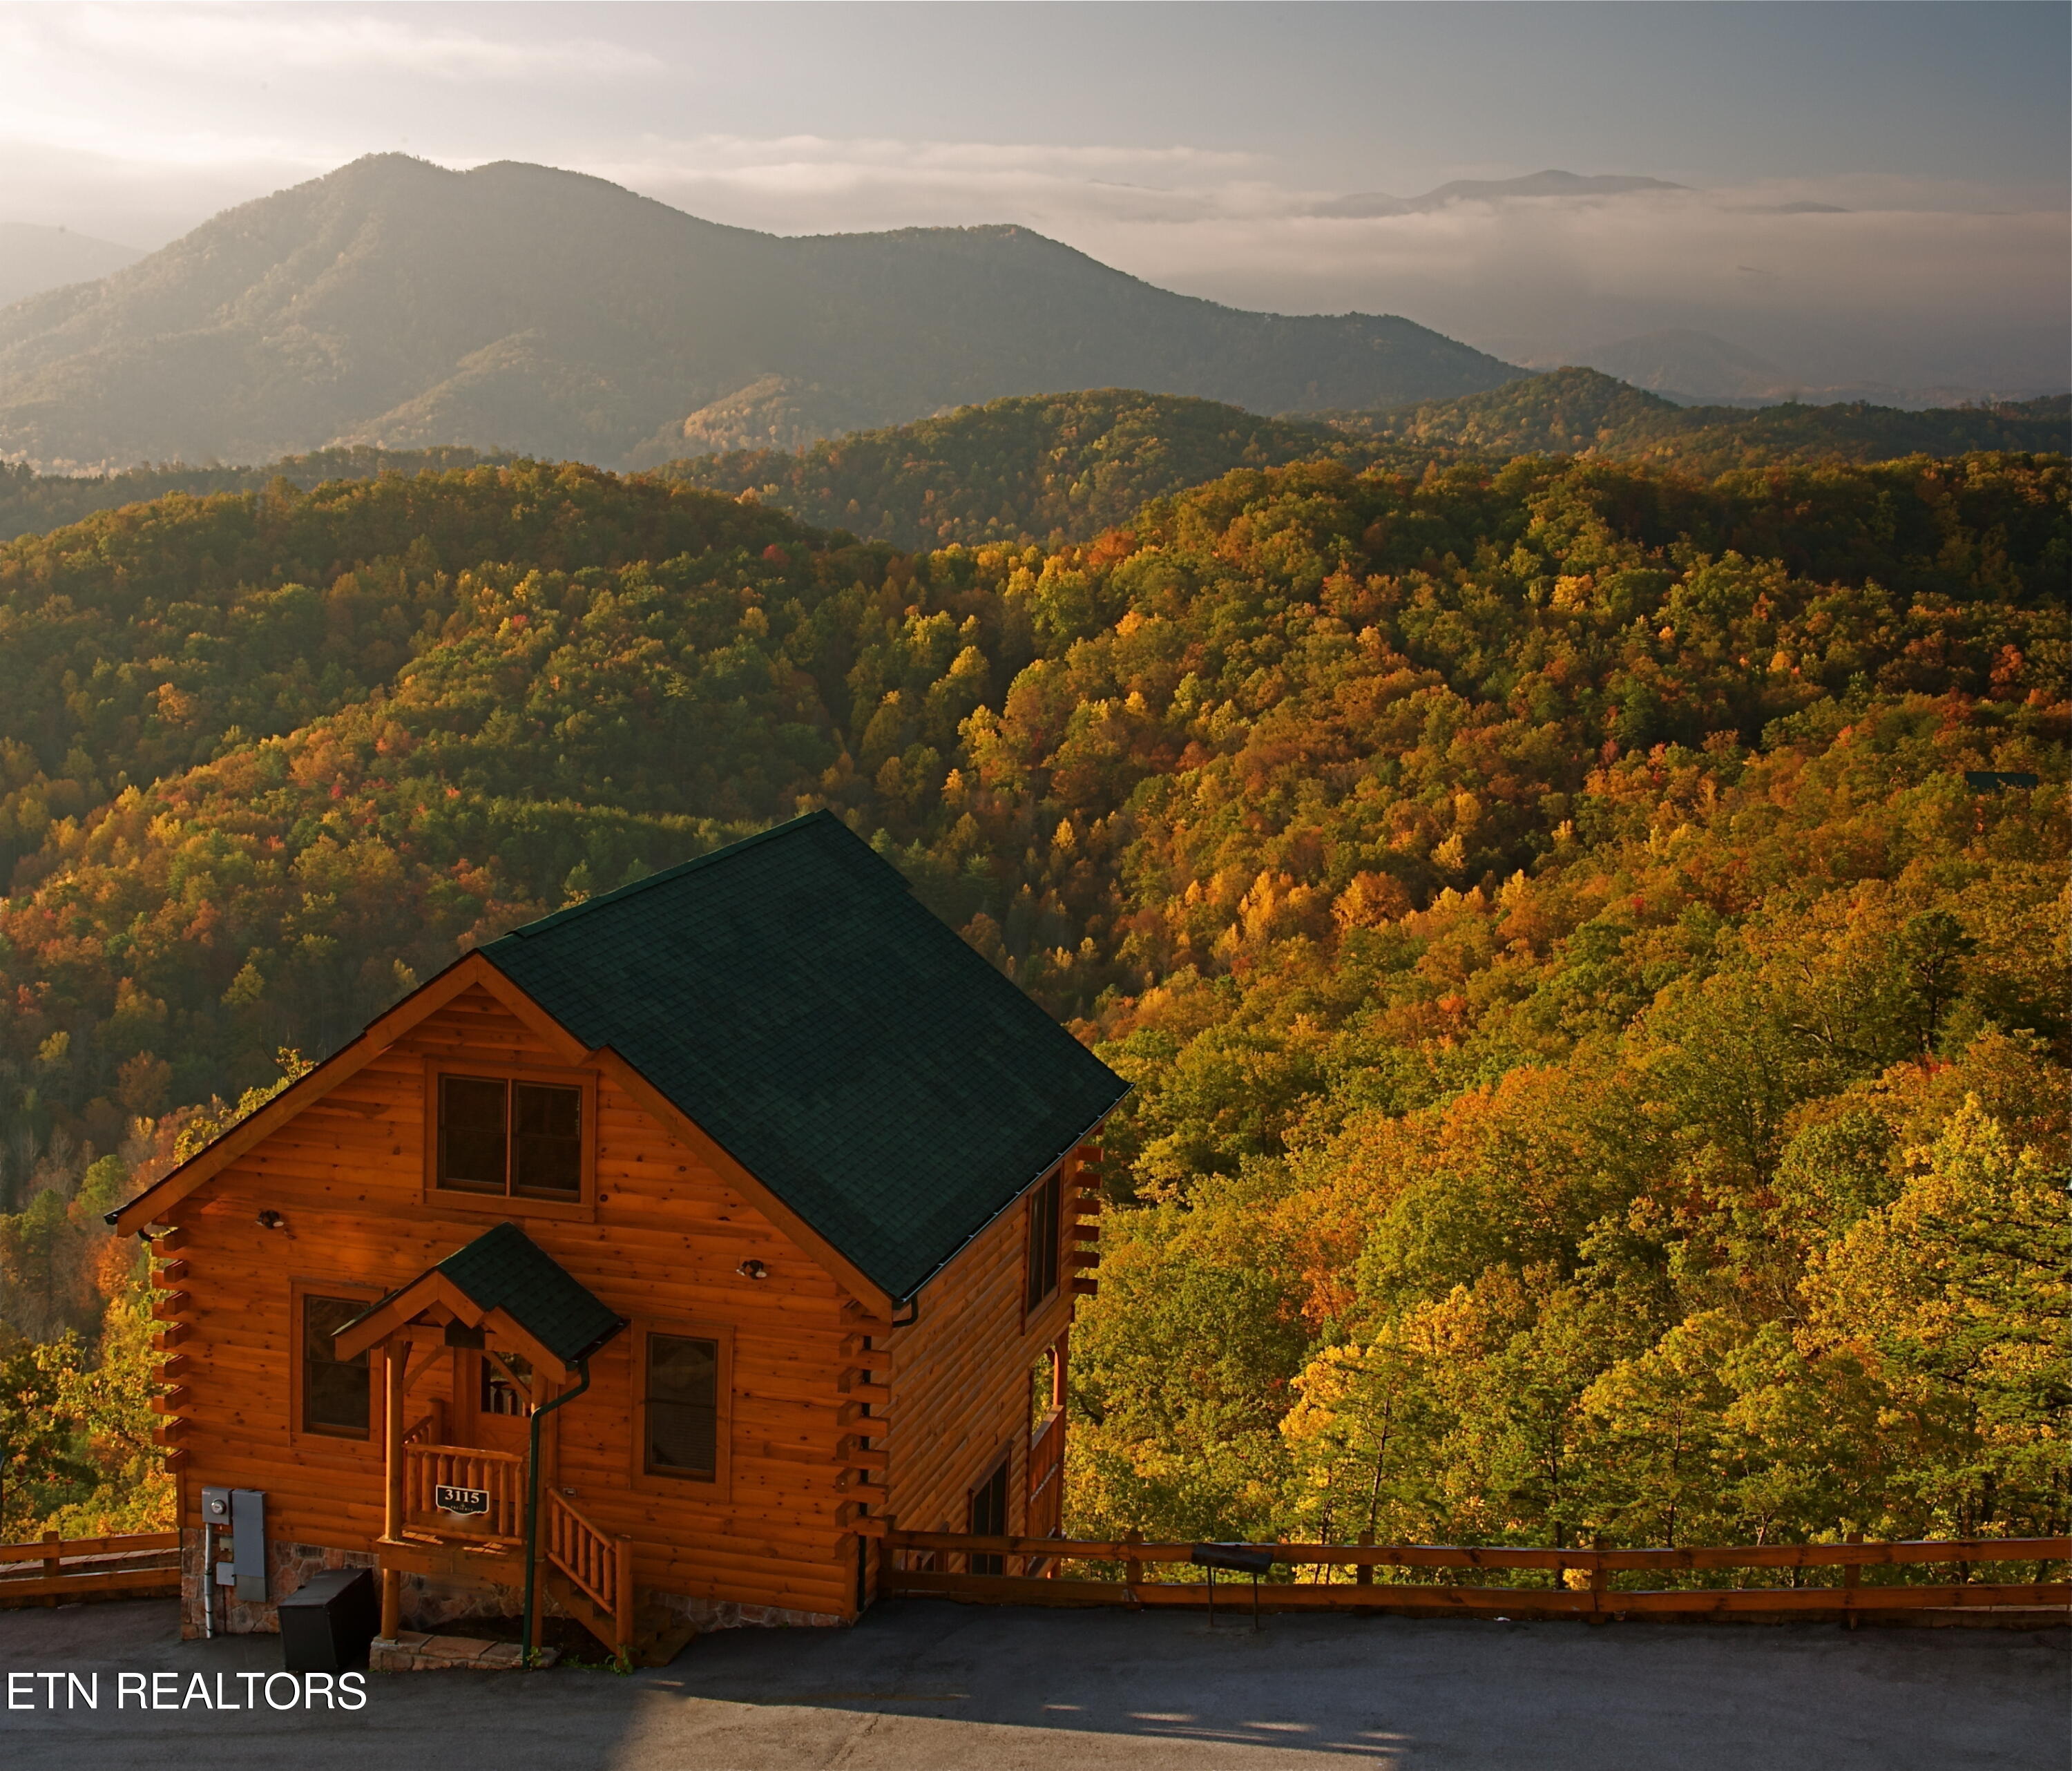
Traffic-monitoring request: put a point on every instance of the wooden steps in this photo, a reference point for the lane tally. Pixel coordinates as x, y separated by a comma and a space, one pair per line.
579, 1605
658, 1634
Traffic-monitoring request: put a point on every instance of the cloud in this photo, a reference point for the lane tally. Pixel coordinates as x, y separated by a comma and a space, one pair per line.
1898, 294
1863, 278
805, 184
219, 40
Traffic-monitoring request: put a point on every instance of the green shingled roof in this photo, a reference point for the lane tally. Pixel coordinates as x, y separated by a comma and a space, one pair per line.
792, 996
505, 1269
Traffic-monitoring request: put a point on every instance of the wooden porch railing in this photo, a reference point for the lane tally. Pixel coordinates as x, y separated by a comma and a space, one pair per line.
1046, 1472
500, 1474
134, 1564
1824, 1578
599, 1566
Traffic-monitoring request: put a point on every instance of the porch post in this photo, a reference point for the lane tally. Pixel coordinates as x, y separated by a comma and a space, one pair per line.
395, 1366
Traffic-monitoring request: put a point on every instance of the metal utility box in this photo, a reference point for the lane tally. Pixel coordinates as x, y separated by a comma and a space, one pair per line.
241, 1512
327, 1622
248, 1550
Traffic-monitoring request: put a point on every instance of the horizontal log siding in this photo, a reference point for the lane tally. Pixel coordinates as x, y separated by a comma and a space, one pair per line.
346, 1175
960, 1378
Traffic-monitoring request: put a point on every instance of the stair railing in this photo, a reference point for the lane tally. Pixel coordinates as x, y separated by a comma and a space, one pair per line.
599, 1566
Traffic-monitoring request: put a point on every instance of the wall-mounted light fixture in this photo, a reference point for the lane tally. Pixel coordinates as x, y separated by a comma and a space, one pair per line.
271, 1220
752, 1268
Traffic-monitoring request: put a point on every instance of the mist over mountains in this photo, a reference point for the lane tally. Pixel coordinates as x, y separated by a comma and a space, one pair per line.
34, 258
398, 304
1553, 183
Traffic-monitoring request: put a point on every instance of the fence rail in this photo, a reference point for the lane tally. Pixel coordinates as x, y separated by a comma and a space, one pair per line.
134, 1564
937, 1564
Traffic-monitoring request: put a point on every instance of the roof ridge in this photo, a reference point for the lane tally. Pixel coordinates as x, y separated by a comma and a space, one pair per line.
569, 913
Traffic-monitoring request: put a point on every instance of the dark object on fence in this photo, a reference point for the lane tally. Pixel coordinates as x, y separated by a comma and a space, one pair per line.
1238, 1559
1998, 780
327, 1622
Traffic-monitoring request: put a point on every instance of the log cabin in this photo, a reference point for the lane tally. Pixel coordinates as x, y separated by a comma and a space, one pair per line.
641, 1268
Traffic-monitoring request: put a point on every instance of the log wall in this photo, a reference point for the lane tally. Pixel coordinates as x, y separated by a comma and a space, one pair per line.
960, 1372
345, 1175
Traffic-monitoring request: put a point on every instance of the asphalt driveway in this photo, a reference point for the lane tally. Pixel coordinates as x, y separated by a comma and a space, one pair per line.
922, 1686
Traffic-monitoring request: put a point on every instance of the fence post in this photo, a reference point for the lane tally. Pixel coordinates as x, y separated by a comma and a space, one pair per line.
1132, 1569
889, 1562
49, 1556
1852, 1578
1596, 1577
1363, 1572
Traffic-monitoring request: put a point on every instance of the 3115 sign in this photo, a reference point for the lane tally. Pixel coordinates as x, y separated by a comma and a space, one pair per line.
461, 1501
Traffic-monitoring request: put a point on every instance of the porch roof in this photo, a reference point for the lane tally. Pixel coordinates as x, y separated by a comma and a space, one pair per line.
505, 1270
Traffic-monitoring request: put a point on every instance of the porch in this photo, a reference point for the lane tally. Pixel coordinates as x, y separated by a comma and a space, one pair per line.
470, 1493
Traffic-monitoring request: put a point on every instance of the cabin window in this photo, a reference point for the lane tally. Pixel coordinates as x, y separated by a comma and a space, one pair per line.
1043, 1233
682, 1411
338, 1395
987, 1517
521, 1139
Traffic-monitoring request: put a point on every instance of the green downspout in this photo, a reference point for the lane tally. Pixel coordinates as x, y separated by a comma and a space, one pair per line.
532, 1502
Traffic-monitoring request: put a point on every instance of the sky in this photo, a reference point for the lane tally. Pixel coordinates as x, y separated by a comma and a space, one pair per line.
1189, 144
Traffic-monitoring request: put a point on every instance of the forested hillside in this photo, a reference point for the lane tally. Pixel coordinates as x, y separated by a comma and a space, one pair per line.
1060, 467
1583, 412
1064, 467
31, 502
1600, 1058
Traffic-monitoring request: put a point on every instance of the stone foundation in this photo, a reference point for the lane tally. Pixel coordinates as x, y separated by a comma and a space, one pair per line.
427, 1604
711, 1614
288, 1566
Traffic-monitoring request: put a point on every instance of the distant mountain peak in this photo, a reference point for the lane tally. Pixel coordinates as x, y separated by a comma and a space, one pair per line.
1553, 183
398, 303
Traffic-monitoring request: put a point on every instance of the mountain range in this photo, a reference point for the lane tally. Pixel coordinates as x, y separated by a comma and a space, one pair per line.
396, 303
1065, 467
1584, 412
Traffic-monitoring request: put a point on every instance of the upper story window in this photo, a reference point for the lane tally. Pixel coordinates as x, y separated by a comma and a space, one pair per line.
510, 1136
1041, 1260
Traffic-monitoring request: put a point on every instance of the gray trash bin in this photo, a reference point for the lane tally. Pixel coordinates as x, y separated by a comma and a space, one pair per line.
327, 1622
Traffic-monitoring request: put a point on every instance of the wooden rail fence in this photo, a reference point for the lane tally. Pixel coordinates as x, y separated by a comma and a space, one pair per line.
134, 1565
1577, 1583
1046, 1475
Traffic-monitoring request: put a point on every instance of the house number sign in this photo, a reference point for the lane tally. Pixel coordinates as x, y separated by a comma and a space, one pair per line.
461, 1500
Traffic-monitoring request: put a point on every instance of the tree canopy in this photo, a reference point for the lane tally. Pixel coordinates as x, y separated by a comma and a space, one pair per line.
1599, 1057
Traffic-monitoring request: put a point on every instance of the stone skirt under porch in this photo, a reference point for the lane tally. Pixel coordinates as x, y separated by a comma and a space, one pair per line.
430, 1603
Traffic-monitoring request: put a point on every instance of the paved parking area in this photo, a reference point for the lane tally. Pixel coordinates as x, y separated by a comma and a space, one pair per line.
923, 1687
